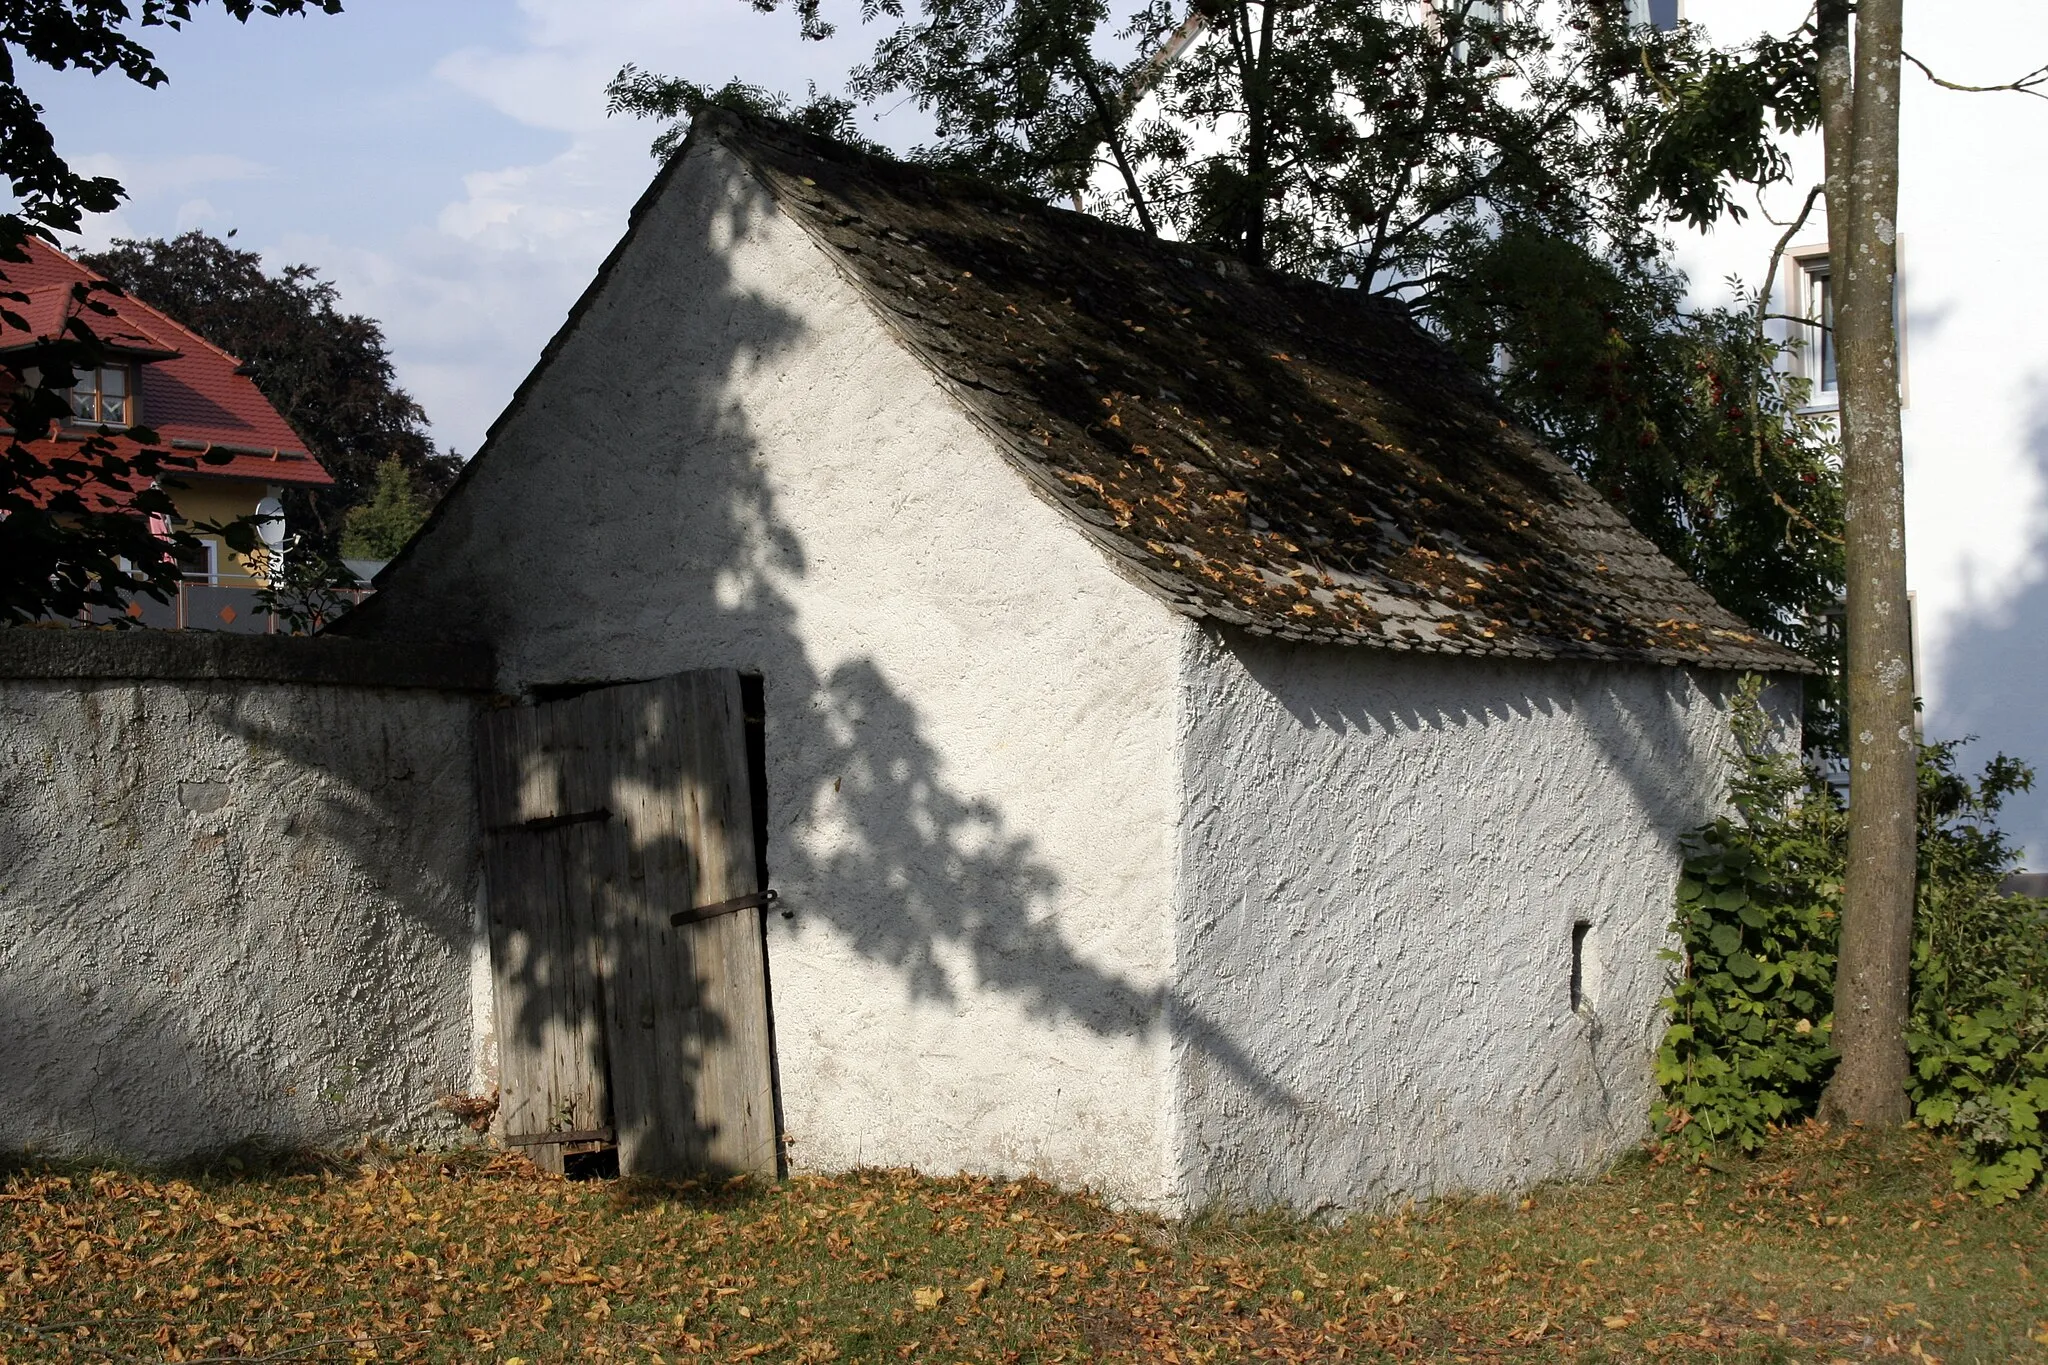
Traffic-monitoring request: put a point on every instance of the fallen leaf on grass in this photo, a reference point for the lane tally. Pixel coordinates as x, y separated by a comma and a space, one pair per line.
927, 1299
1614, 1324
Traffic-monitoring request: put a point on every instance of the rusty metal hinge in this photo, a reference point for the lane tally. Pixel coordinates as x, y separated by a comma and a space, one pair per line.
698, 913
541, 822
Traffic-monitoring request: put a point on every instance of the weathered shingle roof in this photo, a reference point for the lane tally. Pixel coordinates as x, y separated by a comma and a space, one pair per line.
1266, 452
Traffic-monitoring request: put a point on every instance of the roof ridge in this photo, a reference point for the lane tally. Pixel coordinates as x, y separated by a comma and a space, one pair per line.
92, 276
725, 124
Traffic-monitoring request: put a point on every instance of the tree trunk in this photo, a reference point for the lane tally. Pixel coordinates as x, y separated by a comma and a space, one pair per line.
1871, 980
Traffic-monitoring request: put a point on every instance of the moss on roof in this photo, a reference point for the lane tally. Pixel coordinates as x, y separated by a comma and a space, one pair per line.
1266, 452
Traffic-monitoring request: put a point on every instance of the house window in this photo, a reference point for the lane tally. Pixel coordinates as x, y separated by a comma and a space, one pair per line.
200, 563
1661, 15
1811, 287
101, 396
1817, 305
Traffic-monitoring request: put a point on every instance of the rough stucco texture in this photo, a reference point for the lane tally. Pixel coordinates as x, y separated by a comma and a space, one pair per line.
1384, 860
969, 734
232, 910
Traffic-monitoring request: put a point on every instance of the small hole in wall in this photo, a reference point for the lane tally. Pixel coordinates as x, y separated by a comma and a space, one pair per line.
1579, 932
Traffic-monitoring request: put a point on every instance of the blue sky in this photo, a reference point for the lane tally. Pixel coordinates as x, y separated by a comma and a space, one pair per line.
447, 163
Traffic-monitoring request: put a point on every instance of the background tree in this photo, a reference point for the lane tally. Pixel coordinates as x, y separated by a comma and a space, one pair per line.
380, 527
325, 370
63, 545
1507, 178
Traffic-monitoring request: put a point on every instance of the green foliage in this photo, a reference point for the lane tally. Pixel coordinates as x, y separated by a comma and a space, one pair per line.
1747, 1048
643, 94
326, 370
380, 527
1712, 130
1758, 923
1978, 1031
307, 590
1682, 418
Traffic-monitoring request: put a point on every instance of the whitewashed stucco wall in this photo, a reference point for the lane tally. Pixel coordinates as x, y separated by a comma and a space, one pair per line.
233, 910
1383, 862
728, 462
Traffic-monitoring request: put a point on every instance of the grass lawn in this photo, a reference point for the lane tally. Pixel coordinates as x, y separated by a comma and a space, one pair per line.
1827, 1248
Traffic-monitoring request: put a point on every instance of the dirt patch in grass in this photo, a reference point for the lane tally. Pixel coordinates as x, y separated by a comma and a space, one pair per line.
1829, 1247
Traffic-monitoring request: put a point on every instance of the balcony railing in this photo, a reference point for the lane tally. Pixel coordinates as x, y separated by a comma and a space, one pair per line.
200, 605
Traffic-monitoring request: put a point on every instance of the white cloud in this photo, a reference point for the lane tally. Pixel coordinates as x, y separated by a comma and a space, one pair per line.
472, 265
195, 213
147, 178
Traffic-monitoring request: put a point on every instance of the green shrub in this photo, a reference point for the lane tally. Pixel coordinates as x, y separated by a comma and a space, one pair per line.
1758, 921
1978, 1033
1748, 1044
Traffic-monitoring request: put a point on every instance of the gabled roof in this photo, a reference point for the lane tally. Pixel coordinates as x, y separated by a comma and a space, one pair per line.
51, 309
1265, 452
192, 393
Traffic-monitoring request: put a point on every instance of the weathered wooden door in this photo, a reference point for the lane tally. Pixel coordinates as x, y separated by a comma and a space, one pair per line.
626, 944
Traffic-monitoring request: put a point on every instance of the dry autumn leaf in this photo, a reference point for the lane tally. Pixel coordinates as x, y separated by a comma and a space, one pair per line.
480, 1257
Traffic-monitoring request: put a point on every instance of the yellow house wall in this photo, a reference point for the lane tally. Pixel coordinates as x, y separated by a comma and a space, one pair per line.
221, 501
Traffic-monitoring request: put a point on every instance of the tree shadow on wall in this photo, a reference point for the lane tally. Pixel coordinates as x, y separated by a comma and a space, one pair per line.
1993, 661
634, 456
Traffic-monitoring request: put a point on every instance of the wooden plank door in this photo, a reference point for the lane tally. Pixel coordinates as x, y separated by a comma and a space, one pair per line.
640, 795
544, 823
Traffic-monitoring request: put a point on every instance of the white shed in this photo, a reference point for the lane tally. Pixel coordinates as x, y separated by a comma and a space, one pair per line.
1207, 752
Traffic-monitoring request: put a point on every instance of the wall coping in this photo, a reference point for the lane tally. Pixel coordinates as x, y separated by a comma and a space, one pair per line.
213, 656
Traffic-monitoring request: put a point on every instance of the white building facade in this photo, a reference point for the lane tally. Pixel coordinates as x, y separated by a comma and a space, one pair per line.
1973, 289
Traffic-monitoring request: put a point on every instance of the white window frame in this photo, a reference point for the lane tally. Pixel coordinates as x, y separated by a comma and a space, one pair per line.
212, 578
1798, 271
129, 386
1802, 266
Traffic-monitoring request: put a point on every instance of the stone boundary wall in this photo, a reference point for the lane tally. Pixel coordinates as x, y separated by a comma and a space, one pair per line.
239, 891
199, 655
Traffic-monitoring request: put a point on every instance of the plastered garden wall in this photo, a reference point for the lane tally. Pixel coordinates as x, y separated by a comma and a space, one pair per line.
1384, 862
237, 893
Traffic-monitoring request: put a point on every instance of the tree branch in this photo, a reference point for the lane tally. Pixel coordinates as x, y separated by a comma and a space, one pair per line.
1763, 299
2029, 84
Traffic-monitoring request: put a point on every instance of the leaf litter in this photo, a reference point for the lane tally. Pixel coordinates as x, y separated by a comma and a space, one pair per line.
1826, 1247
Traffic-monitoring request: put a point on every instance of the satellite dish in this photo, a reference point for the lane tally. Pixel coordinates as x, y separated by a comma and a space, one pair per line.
270, 530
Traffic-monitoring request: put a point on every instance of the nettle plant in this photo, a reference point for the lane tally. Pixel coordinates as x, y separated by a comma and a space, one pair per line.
1758, 921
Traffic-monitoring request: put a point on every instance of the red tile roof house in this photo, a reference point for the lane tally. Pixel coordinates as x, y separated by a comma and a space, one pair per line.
195, 396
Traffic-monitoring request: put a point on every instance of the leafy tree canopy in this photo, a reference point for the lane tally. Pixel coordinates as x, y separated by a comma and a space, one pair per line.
1506, 171
325, 370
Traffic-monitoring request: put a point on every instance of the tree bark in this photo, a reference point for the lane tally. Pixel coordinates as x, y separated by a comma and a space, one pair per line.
1871, 980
